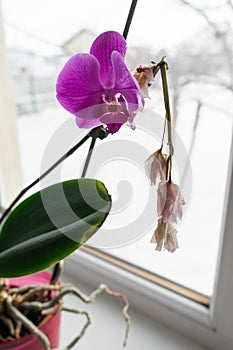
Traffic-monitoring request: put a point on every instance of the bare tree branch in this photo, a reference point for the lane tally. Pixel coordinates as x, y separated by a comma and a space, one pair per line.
202, 13
219, 35
229, 2
192, 144
206, 80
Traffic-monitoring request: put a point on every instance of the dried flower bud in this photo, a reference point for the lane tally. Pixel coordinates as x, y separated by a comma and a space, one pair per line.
169, 202
144, 76
155, 166
165, 236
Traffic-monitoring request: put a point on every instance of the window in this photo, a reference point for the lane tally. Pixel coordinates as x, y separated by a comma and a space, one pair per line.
201, 95
132, 221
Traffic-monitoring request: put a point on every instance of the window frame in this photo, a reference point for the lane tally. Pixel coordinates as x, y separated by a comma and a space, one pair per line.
209, 325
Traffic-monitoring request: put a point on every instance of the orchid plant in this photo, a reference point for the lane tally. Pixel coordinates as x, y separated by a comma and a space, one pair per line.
102, 94
97, 88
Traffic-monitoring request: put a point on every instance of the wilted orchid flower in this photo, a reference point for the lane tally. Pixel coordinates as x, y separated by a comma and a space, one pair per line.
169, 202
155, 166
98, 88
165, 236
144, 76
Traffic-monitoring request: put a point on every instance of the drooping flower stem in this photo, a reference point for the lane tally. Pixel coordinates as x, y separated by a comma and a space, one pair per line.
163, 68
156, 67
159, 165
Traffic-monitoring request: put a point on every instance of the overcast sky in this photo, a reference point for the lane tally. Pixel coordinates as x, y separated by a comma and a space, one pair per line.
156, 24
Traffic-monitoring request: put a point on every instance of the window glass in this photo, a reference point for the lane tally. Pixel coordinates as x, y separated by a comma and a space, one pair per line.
41, 35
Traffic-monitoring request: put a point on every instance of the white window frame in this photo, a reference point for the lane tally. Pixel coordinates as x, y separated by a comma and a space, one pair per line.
211, 326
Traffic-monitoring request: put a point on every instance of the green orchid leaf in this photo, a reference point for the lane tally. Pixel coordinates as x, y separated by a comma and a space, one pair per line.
50, 225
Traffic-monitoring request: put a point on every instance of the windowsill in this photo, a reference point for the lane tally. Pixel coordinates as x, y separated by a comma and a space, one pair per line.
108, 327
145, 274
96, 271
175, 311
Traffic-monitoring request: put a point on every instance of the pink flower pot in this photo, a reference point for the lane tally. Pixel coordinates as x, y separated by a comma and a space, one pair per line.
50, 325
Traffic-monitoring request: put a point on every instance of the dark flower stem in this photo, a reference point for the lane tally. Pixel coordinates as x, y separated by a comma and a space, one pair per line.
88, 158
59, 161
129, 18
100, 132
125, 34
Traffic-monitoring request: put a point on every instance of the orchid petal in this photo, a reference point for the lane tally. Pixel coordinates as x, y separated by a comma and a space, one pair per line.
89, 117
78, 84
87, 123
102, 49
126, 85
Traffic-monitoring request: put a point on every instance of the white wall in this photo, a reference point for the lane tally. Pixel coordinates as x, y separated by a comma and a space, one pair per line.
10, 172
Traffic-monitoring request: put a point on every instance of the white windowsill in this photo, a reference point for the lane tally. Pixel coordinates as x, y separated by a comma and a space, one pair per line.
136, 286
183, 315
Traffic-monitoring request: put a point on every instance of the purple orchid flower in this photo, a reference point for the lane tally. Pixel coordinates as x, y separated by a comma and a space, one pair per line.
98, 88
